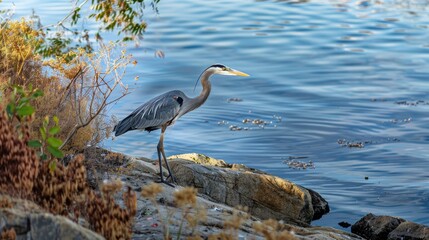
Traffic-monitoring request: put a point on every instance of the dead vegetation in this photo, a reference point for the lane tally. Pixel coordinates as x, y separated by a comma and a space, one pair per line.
19, 164
106, 217
192, 215
8, 234
60, 189
77, 85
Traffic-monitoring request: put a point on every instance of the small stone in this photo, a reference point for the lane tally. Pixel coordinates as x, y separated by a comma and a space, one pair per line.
234, 100
344, 224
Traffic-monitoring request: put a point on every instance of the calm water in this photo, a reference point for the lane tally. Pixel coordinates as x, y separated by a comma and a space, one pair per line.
320, 71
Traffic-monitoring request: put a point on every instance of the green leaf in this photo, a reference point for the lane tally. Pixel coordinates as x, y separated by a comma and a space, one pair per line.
37, 93
54, 142
55, 152
43, 132
10, 109
43, 156
25, 111
24, 100
56, 120
54, 130
34, 143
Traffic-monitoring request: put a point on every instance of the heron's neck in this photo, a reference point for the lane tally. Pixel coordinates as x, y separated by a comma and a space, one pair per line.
200, 99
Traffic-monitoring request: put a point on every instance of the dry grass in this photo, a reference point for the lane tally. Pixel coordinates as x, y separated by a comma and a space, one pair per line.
8, 234
273, 230
77, 86
193, 215
18, 63
19, 164
5, 203
106, 217
60, 189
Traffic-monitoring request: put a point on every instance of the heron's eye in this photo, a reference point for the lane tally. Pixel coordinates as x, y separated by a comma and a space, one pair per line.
223, 68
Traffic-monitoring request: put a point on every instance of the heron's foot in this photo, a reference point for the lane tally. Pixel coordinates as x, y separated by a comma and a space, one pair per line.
165, 182
173, 179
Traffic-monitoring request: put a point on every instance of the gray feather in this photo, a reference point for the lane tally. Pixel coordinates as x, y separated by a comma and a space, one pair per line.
153, 114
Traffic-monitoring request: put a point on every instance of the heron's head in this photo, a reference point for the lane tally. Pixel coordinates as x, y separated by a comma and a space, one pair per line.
219, 69
224, 70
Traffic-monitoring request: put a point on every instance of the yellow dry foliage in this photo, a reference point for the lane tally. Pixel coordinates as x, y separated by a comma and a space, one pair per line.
18, 41
76, 85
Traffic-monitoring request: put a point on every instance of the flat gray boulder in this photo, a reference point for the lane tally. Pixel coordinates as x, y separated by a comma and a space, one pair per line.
42, 226
265, 195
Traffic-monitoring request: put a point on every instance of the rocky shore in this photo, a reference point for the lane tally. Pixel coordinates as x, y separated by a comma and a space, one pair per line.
221, 187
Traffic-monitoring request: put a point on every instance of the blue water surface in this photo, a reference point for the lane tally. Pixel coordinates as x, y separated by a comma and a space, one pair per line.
321, 71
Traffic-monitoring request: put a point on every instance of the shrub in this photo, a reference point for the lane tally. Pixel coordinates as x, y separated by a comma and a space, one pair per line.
57, 188
76, 84
19, 65
106, 217
19, 164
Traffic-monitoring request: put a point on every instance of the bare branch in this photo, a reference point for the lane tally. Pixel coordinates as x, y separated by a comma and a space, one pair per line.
101, 78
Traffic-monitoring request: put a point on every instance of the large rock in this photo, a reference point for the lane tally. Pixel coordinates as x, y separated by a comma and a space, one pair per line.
320, 205
266, 196
410, 230
150, 217
374, 227
41, 225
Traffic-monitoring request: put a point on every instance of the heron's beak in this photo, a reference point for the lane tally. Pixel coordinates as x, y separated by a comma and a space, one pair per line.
238, 73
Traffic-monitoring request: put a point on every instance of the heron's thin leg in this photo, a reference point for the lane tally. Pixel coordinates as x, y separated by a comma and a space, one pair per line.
170, 173
173, 179
160, 149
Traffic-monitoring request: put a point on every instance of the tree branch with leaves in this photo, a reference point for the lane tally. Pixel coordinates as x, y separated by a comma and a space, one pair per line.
123, 16
91, 92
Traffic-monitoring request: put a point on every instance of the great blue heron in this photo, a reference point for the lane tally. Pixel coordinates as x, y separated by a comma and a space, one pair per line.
163, 110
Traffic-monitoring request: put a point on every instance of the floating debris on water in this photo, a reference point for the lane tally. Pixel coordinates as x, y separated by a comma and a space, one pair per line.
353, 144
278, 118
408, 103
237, 128
405, 120
393, 139
366, 177
255, 121
246, 120
296, 164
378, 100
234, 128
234, 100
361, 144
258, 123
223, 122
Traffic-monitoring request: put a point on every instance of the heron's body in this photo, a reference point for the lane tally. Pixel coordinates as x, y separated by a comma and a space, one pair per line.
163, 110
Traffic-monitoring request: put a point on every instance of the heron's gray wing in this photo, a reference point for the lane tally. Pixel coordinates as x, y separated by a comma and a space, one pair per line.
152, 114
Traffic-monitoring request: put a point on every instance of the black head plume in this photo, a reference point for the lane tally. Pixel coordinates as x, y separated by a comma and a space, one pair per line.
212, 66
